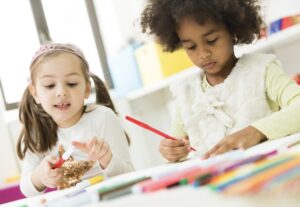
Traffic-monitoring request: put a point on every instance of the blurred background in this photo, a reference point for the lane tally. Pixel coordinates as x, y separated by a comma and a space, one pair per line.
134, 67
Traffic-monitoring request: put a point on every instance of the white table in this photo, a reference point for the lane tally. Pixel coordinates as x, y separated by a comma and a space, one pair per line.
188, 195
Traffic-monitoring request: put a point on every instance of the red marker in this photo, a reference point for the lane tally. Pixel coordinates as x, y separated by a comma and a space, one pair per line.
156, 131
188, 175
64, 157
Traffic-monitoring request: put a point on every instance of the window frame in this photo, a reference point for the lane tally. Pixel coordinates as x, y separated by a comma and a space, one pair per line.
45, 36
8, 106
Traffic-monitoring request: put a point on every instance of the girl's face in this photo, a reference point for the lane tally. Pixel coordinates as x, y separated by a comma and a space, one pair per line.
209, 46
60, 87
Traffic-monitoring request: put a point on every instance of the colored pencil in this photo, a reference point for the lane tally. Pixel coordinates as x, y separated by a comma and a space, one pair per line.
156, 131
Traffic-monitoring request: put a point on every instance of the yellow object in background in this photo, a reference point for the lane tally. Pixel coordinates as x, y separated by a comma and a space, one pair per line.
96, 179
91, 181
155, 64
12, 179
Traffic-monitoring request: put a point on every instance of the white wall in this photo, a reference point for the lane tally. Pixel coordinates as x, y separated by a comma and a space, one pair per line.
8, 163
153, 110
118, 20
275, 9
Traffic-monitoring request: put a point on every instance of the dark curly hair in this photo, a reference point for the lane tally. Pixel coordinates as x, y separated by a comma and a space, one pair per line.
240, 17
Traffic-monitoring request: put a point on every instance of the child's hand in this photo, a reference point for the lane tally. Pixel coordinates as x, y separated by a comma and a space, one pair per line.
242, 139
174, 150
97, 150
44, 176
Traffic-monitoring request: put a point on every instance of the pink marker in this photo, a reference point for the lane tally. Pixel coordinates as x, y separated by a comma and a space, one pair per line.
64, 157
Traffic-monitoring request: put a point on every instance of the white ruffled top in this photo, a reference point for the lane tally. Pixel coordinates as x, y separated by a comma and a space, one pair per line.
211, 114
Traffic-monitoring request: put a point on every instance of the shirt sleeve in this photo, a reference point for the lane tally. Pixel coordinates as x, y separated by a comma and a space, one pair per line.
285, 93
177, 126
115, 136
30, 162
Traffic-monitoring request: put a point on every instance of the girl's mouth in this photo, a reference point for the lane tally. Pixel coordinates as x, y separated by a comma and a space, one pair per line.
209, 65
62, 106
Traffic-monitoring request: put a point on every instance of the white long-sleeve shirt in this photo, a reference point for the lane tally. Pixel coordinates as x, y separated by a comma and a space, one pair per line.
100, 122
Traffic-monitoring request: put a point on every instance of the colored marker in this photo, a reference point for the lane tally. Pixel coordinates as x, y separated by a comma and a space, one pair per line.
254, 183
82, 199
248, 160
294, 144
188, 175
245, 172
91, 181
156, 131
64, 157
120, 189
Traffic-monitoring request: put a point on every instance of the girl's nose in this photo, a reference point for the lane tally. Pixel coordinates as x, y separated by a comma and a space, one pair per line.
204, 54
62, 92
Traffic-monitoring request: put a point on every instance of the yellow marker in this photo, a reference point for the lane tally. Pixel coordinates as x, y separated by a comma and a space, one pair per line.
12, 179
91, 181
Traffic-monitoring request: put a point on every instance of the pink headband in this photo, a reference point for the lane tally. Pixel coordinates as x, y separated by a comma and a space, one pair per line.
52, 47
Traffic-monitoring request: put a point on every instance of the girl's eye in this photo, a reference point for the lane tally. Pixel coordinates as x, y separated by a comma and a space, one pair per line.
72, 84
212, 41
49, 86
192, 47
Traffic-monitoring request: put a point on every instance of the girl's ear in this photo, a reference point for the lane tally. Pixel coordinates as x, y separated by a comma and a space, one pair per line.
88, 90
33, 93
235, 39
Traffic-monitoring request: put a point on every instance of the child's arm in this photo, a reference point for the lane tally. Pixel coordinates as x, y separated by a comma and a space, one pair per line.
37, 174
44, 175
97, 149
242, 139
174, 150
171, 150
285, 93
110, 147
177, 127
114, 134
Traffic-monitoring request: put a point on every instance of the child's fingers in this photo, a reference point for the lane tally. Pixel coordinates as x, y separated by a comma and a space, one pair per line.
172, 143
104, 149
51, 159
174, 150
91, 143
53, 173
82, 146
222, 147
174, 157
85, 146
98, 146
97, 149
104, 153
106, 158
174, 154
92, 147
185, 141
211, 151
52, 182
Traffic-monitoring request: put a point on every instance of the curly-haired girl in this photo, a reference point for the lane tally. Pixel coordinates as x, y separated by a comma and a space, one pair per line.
232, 102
